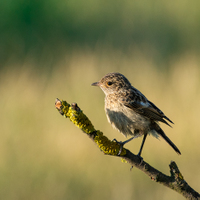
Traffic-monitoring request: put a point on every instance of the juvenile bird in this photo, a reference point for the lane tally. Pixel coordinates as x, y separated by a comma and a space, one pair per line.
130, 112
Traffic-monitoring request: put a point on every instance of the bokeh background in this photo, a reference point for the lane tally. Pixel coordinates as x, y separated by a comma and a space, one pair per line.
56, 49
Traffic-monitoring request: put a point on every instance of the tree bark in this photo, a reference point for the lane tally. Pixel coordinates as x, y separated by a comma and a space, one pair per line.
175, 181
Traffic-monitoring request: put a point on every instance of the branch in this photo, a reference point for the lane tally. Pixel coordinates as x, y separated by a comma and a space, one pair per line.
175, 181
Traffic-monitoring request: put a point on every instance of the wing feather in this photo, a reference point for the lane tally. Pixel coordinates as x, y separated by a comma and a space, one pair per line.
139, 103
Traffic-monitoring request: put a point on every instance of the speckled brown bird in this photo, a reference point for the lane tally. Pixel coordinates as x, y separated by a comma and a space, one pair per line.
130, 112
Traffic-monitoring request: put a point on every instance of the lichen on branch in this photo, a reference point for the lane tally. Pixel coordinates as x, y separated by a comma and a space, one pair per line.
175, 182
76, 116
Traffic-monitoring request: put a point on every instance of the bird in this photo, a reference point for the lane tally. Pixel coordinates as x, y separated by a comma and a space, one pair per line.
130, 112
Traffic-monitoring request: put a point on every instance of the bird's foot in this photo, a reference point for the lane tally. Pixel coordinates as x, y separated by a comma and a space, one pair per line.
141, 158
121, 146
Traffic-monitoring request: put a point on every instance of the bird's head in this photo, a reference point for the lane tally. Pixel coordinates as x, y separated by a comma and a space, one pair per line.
112, 82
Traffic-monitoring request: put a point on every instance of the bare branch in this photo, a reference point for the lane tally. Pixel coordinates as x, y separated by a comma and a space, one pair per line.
175, 181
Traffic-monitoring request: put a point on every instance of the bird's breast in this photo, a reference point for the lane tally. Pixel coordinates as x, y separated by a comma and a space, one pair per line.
125, 120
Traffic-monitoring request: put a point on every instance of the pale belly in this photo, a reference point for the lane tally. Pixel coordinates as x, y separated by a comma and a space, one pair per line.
127, 121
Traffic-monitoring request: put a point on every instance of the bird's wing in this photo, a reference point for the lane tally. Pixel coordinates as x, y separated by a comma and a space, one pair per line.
139, 103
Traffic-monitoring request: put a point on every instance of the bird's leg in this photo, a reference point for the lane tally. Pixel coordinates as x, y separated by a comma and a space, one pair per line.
123, 143
139, 154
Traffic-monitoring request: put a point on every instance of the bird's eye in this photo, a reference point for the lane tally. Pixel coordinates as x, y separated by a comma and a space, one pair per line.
109, 83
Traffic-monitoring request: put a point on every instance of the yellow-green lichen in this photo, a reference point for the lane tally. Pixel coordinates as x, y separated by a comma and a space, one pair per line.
82, 122
123, 161
65, 108
107, 146
78, 118
180, 176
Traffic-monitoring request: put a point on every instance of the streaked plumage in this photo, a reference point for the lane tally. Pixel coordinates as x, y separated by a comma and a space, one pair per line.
129, 111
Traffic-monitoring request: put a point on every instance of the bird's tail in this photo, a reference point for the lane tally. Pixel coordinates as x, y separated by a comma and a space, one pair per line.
161, 133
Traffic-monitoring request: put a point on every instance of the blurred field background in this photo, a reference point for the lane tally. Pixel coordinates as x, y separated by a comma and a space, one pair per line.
56, 49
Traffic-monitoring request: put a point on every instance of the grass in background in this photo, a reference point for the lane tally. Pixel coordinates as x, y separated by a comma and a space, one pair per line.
44, 156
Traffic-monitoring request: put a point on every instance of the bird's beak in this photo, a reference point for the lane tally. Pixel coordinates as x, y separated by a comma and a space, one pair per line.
95, 84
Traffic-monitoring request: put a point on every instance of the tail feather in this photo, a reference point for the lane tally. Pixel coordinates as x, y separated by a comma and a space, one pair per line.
161, 133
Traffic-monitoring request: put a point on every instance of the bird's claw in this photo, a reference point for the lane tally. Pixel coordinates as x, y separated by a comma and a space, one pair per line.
141, 159
121, 146
114, 140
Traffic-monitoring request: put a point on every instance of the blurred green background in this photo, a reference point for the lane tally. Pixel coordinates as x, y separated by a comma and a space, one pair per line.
56, 49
